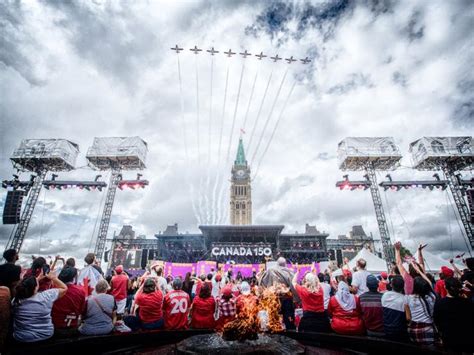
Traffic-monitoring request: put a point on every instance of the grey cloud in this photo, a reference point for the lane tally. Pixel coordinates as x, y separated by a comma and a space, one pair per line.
111, 38
415, 28
354, 81
13, 42
275, 19
399, 78
299, 181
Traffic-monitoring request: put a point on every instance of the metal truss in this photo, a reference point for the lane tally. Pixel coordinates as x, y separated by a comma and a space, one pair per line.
106, 214
380, 215
458, 191
16, 239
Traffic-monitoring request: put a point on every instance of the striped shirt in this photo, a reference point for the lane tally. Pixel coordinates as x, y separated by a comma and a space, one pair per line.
372, 313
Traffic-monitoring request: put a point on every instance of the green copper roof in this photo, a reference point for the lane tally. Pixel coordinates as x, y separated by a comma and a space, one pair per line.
240, 158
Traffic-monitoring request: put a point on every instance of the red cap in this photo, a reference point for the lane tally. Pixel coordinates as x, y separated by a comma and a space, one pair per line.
447, 272
383, 274
119, 269
227, 291
218, 278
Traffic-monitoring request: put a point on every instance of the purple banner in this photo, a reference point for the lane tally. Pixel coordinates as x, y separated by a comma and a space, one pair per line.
179, 269
246, 270
205, 267
303, 269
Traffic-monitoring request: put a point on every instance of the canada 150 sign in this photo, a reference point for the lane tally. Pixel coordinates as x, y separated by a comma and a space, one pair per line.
241, 251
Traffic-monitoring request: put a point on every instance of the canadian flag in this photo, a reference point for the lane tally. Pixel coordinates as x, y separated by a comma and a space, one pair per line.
88, 278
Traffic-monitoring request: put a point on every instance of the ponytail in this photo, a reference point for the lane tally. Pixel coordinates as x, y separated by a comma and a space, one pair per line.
25, 289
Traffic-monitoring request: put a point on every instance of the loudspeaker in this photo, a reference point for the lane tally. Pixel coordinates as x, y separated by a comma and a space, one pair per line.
12, 208
144, 260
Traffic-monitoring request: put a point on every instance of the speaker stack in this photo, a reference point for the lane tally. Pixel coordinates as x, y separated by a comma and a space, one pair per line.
12, 208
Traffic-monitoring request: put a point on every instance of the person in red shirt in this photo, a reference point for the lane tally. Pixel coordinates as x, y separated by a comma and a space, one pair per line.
119, 287
440, 287
344, 308
149, 300
67, 311
246, 300
40, 265
311, 295
176, 306
226, 306
203, 309
382, 287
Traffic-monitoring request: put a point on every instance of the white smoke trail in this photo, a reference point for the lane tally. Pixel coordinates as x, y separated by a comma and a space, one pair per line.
250, 99
198, 133
226, 161
269, 116
259, 112
214, 191
209, 209
190, 187
274, 129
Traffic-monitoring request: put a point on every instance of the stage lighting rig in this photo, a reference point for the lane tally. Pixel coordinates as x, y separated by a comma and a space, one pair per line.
133, 184
17, 184
65, 184
346, 184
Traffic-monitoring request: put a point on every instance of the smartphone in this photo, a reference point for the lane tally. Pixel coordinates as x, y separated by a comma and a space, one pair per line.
46, 269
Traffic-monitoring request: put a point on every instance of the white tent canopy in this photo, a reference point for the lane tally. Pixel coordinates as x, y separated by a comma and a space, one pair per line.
433, 262
374, 263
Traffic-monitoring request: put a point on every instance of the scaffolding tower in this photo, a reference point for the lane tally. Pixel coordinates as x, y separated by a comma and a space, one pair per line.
370, 154
450, 155
38, 156
115, 154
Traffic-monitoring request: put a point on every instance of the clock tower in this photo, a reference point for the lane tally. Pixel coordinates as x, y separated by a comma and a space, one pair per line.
240, 190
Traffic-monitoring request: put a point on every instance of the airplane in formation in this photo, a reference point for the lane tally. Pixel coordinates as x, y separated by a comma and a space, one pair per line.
245, 54
212, 51
276, 58
196, 50
177, 49
230, 53
305, 60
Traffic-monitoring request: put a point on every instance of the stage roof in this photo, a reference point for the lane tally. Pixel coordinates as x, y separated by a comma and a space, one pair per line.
228, 230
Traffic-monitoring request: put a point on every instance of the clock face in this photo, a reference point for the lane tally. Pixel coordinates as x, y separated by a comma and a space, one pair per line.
240, 173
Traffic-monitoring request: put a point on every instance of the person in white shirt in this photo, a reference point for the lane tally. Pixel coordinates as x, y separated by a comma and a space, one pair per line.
419, 312
326, 290
162, 283
359, 278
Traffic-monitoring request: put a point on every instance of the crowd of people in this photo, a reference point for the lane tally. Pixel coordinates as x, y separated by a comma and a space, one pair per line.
407, 304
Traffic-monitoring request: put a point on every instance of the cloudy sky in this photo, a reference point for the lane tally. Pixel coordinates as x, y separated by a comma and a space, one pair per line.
78, 70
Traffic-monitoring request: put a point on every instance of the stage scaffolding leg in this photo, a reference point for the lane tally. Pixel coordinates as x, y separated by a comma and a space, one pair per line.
16, 240
463, 209
106, 214
380, 215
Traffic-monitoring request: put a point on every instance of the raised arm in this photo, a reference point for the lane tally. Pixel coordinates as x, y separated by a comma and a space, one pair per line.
398, 259
421, 259
58, 257
295, 278
422, 274
455, 268
57, 283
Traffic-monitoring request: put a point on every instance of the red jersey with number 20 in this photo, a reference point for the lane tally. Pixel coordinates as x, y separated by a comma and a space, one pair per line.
176, 308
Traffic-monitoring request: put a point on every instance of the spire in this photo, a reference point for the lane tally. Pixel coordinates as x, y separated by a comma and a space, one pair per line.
240, 158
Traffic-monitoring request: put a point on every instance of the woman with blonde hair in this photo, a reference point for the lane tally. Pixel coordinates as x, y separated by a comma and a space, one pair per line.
311, 293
